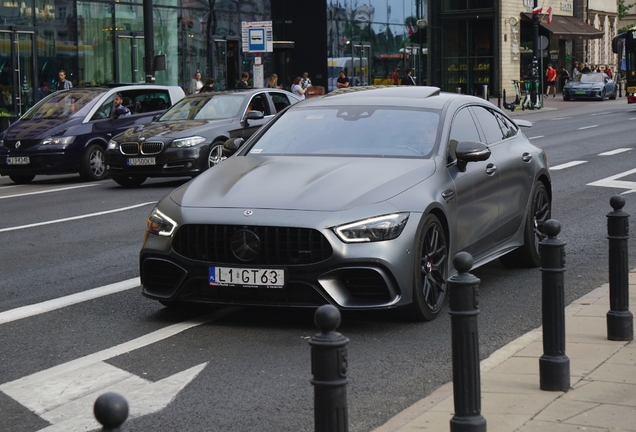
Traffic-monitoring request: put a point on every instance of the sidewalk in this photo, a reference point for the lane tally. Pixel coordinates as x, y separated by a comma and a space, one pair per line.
602, 396
549, 104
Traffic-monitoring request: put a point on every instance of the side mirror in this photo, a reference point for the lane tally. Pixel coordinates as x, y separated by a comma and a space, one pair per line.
470, 151
254, 115
231, 146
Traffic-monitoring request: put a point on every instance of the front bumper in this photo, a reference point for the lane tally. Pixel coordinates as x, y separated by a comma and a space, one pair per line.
170, 162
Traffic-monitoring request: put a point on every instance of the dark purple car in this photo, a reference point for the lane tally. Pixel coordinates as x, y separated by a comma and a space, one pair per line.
68, 131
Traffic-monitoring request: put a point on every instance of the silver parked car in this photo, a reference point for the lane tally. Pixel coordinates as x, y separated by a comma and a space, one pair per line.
358, 199
594, 85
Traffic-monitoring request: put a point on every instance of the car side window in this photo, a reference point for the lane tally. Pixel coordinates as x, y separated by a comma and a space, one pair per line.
489, 124
259, 103
104, 110
281, 101
153, 101
463, 128
508, 127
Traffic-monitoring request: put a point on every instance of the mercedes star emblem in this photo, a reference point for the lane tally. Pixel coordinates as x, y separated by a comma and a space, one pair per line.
248, 212
245, 245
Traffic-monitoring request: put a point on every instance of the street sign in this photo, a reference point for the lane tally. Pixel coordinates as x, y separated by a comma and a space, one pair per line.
257, 36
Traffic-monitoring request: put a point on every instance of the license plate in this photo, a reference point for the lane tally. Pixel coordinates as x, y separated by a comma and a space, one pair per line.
21, 160
580, 92
246, 277
141, 161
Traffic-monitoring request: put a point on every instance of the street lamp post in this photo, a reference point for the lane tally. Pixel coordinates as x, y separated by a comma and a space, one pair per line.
535, 55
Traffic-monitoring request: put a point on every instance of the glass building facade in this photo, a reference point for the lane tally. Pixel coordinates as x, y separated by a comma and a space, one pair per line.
103, 42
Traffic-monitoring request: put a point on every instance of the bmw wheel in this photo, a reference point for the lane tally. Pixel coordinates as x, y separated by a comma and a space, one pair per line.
431, 271
93, 165
215, 156
539, 211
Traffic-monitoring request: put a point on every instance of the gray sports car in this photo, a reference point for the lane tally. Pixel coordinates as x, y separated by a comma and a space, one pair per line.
358, 199
593, 85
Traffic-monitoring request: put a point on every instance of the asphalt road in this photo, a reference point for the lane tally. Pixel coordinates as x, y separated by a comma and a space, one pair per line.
247, 369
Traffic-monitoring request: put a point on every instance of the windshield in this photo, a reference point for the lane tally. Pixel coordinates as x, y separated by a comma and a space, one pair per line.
63, 104
589, 78
354, 130
205, 107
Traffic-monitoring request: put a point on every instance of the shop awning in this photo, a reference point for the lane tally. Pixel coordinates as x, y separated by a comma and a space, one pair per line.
566, 27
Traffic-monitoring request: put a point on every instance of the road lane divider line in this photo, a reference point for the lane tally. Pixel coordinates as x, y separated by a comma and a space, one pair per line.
126, 347
75, 217
59, 303
601, 113
614, 152
46, 191
536, 137
587, 127
566, 165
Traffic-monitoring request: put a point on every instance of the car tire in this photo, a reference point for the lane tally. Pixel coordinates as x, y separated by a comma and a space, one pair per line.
539, 211
603, 95
430, 271
93, 166
566, 98
613, 96
129, 182
215, 154
21, 179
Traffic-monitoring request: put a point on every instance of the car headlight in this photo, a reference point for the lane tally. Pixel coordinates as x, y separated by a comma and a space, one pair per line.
160, 224
112, 145
187, 142
58, 140
380, 228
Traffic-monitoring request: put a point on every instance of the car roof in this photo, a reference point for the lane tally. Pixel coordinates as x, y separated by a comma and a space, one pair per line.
390, 95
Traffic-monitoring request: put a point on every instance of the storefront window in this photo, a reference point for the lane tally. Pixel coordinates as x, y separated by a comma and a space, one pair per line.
194, 44
95, 54
389, 29
167, 43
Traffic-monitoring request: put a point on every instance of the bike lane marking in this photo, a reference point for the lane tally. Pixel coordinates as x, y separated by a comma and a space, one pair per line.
58, 303
18, 195
76, 217
566, 165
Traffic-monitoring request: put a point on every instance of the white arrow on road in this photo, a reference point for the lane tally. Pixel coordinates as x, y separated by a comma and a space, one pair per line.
613, 182
64, 395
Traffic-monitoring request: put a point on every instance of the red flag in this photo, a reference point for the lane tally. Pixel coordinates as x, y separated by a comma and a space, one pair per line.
550, 15
537, 10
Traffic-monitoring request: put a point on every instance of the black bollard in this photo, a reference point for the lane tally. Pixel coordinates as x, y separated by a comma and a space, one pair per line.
554, 365
111, 410
329, 365
464, 308
620, 322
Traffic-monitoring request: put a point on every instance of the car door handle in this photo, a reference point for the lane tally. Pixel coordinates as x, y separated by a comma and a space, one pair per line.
449, 195
527, 157
490, 169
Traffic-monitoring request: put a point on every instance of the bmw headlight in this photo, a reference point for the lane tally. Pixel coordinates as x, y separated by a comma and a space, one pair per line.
160, 224
380, 228
112, 145
62, 140
187, 142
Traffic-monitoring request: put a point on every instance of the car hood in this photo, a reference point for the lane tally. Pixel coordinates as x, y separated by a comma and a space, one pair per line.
169, 130
584, 86
302, 183
39, 129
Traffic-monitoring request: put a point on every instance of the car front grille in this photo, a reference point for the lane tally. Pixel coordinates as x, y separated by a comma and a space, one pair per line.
278, 245
147, 148
151, 147
23, 143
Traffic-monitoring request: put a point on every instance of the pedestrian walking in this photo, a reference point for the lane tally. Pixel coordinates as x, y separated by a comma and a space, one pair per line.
273, 82
608, 71
551, 75
297, 88
408, 78
195, 83
396, 76
242, 84
575, 70
208, 86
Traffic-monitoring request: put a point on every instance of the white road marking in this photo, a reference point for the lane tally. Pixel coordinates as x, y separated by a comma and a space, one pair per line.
560, 118
46, 191
588, 127
612, 182
70, 389
75, 217
567, 165
632, 118
536, 137
58, 303
613, 152
601, 113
